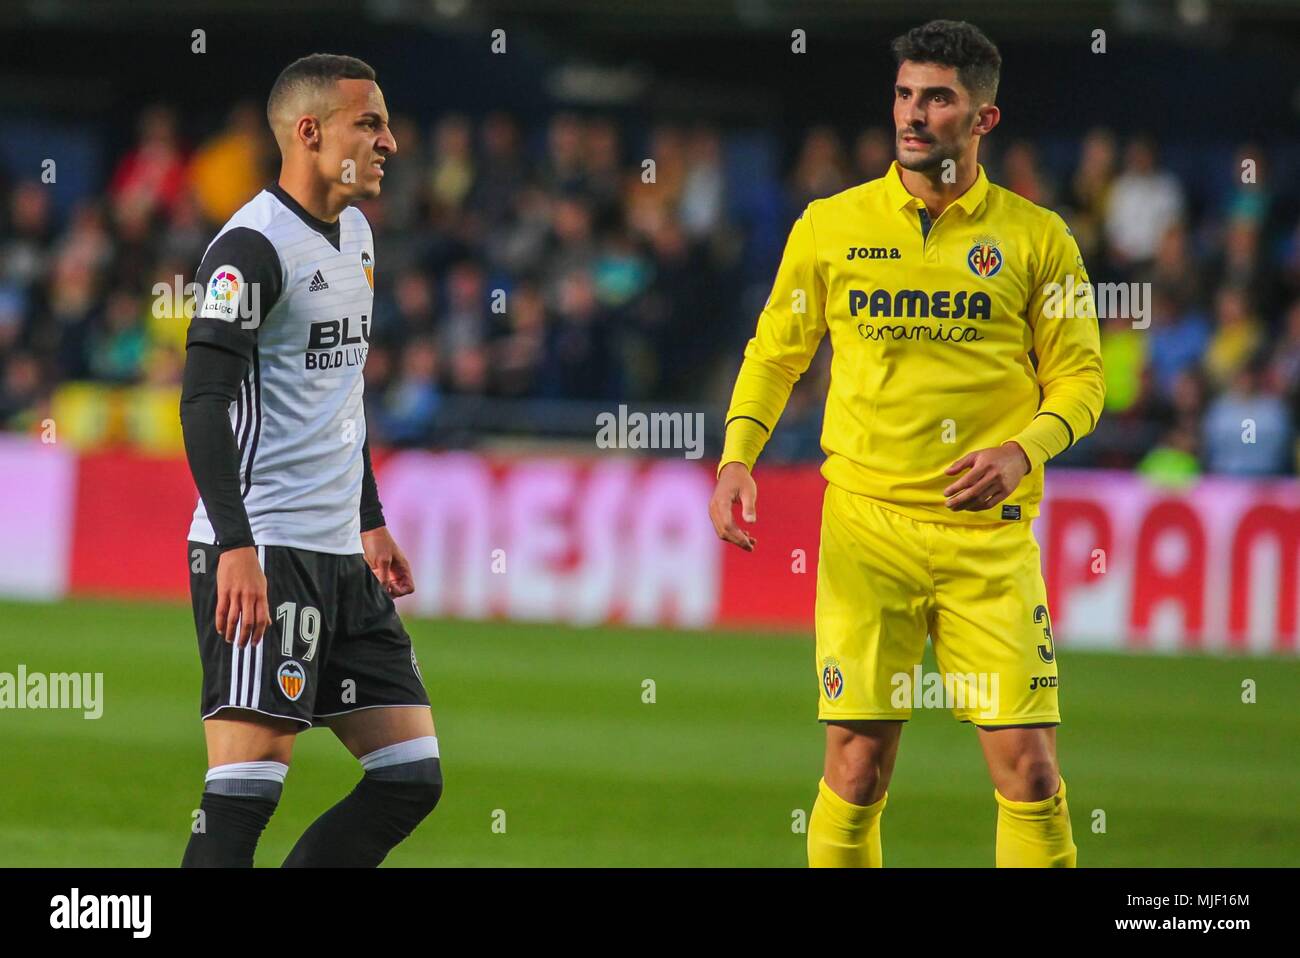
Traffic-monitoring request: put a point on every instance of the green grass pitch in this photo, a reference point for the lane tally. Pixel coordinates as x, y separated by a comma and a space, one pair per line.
548, 725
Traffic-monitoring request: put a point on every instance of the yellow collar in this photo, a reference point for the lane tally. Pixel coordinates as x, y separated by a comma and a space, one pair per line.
968, 202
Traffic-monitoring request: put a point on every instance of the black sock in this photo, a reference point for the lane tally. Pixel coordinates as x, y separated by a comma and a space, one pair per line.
364, 827
232, 824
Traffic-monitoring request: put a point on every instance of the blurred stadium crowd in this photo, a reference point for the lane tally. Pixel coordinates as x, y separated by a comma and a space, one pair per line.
547, 261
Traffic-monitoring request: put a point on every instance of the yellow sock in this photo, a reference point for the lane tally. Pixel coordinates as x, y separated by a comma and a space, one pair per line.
844, 835
1035, 834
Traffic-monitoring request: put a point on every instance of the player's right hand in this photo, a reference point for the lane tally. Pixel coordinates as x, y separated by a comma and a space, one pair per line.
243, 612
735, 484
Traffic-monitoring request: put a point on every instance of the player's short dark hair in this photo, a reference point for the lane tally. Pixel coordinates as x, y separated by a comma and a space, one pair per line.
318, 70
954, 43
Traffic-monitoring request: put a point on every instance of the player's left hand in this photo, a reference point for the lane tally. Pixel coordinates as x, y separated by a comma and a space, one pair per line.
994, 474
388, 562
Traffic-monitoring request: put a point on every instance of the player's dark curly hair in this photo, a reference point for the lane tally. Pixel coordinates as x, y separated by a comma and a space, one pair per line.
954, 43
318, 69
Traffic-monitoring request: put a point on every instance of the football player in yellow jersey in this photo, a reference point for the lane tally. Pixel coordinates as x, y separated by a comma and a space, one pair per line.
965, 355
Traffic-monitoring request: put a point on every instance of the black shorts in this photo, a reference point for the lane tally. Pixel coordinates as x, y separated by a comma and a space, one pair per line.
335, 643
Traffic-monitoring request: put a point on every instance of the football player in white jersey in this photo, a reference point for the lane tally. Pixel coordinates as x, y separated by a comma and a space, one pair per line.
292, 571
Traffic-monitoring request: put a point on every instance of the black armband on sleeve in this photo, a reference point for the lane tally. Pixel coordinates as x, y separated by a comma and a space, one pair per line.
372, 513
237, 285
212, 380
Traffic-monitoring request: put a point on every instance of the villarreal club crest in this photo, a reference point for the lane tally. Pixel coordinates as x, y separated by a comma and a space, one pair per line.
832, 679
984, 258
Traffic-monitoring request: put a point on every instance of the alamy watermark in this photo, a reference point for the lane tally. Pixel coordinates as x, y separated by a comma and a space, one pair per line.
53, 690
226, 297
75, 911
946, 690
1087, 300
656, 430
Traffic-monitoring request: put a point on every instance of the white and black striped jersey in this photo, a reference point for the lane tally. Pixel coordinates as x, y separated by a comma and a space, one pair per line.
291, 296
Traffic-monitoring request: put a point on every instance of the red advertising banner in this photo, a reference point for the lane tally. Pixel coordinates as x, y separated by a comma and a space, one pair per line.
1212, 568
1209, 568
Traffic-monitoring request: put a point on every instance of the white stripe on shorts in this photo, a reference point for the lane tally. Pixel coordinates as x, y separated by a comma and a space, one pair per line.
246, 694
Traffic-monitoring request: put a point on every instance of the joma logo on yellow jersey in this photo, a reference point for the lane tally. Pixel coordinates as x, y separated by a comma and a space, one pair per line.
940, 304
873, 252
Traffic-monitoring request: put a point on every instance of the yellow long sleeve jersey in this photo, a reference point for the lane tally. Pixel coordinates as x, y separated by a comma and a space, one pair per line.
947, 337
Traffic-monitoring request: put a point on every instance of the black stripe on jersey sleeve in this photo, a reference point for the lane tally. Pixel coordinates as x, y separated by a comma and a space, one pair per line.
256, 377
253, 255
1068, 431
751, 419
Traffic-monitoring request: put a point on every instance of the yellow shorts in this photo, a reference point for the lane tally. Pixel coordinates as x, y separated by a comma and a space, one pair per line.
885, 581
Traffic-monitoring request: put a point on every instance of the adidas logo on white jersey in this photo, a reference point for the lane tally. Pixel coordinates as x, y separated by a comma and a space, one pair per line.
317, 283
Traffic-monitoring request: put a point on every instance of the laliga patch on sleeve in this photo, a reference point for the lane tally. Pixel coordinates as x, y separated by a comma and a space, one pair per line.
221, 301
1010, 512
